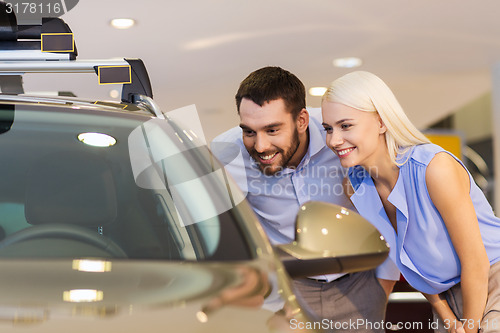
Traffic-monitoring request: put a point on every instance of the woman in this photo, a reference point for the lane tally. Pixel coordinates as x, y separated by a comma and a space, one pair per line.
443, 234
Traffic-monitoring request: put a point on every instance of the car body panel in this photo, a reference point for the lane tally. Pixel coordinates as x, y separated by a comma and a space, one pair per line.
190, 297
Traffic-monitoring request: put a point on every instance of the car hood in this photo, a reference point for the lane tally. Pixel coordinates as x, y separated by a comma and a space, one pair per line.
130, 296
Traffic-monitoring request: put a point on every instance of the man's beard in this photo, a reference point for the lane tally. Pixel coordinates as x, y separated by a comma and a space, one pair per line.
286, 156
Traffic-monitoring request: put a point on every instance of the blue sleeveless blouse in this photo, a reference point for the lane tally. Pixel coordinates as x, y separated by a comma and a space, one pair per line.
422, 248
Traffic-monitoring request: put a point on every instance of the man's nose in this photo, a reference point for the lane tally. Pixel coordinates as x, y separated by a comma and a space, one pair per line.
262, 143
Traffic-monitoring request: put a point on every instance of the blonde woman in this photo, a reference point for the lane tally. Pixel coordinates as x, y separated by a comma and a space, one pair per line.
443, 234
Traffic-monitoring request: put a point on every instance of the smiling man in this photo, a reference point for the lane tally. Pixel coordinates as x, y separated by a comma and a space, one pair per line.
287, 163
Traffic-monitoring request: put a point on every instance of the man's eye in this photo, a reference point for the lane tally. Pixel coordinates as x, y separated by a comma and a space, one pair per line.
272, 131
248, 132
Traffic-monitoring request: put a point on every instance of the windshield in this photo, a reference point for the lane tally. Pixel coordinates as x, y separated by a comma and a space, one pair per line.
148, 193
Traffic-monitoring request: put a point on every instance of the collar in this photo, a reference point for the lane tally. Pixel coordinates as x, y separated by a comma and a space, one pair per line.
398, 196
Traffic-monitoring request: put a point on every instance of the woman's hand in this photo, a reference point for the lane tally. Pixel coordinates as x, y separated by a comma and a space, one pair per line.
459, 329
387, 285
441, 307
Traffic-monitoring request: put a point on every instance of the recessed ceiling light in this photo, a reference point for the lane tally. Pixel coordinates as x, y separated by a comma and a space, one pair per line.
97, 139
122, 23
348, 62
317, 91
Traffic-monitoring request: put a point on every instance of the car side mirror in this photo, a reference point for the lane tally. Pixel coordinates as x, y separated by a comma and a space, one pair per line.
332, 239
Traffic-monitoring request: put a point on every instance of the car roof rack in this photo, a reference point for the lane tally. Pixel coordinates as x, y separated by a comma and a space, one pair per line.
50, 48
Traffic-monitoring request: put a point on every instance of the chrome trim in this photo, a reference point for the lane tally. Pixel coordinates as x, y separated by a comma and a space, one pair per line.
150, 104
73, 66
63, 100
31, 55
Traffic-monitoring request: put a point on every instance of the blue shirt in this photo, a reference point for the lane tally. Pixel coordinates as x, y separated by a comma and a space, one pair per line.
422, 248
276, 199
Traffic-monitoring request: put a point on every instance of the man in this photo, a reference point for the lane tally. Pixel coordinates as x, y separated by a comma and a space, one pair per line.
287, 163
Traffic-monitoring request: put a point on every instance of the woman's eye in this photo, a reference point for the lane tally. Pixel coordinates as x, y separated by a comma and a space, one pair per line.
328, 129
345, 126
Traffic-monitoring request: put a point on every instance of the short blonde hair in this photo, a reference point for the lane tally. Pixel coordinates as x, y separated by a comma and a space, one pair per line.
367, 92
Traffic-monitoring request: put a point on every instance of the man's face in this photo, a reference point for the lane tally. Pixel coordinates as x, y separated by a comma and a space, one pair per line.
269, 133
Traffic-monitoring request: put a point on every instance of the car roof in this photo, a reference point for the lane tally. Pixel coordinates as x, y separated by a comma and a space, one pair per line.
71, 104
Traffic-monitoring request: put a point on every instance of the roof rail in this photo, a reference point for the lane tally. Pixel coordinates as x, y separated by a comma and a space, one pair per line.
131, 73
149, 103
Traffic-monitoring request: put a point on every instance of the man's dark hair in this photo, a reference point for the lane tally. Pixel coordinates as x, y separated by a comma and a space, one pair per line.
272, 83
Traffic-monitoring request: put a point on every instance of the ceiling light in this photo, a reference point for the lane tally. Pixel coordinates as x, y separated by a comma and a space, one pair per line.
349, 62
122, 23
97, 139
317, 91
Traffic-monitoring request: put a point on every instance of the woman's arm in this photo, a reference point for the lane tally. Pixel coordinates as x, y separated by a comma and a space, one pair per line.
449, 185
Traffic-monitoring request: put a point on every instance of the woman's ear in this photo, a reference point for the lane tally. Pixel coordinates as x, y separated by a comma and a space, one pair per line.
302, 121
381, 126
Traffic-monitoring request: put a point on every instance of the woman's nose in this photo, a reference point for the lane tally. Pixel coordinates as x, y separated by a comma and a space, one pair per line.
335, 139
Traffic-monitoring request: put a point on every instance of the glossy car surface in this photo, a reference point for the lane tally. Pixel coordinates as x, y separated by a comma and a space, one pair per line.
135, 234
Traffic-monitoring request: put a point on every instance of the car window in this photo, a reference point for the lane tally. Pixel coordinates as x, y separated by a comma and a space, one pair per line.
152, 194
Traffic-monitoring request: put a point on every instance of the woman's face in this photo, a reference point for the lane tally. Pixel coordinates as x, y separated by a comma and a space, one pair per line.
357, 137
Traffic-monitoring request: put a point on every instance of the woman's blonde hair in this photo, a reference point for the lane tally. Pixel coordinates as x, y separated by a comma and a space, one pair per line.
367, 92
